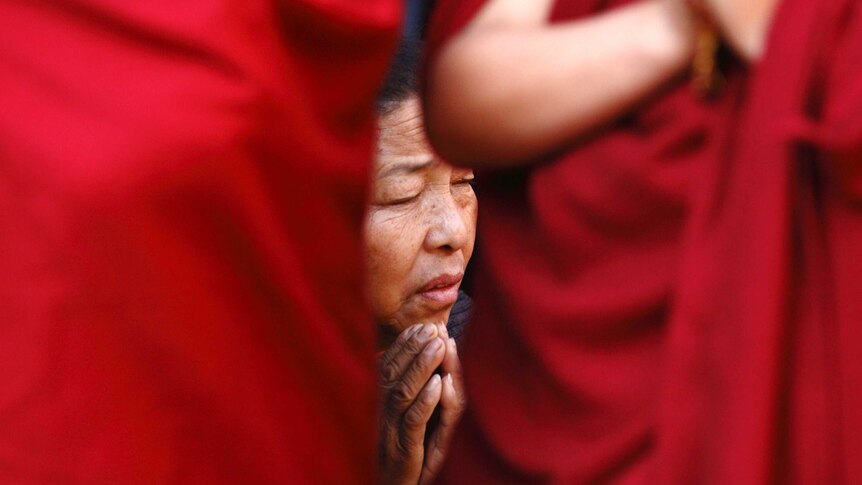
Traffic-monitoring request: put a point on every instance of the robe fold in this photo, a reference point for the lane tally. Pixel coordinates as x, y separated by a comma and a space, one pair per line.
763, 366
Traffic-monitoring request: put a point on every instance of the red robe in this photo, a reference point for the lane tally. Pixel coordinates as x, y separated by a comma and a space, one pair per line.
764, 379
181, 193
675, 299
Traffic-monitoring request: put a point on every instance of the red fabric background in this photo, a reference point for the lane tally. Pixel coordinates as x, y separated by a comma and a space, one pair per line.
181, 191
676, 299
764, 367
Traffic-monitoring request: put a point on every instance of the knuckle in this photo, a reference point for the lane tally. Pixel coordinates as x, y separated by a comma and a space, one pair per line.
413, 418
391, 452
388, 430
396, 452
401, 394
405, 335
425, 358
396, 460
389, 373
428, 359
436, 456
413, 346
404, 446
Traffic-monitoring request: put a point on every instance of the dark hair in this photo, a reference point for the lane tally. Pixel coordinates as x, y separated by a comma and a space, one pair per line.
417, 14
402, 80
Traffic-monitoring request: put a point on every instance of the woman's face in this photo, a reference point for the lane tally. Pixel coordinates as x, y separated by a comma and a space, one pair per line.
420, 228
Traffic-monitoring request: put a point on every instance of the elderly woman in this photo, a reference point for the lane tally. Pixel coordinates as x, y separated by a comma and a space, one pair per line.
420, 231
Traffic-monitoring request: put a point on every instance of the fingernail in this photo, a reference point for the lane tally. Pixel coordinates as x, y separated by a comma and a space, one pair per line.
406, 334
413, 329
448, 379
443, 330
434, 383
435, 346
428, 331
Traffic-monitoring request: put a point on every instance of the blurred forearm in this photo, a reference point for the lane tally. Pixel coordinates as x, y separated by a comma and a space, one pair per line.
744, 23
503, 93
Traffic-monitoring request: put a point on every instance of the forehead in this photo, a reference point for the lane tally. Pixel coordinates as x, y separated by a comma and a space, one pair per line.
401, 139
402, 146
402, 129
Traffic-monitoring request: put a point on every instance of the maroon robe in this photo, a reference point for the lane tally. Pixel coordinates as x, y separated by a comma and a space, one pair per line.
675, 299
181, 195
764, 368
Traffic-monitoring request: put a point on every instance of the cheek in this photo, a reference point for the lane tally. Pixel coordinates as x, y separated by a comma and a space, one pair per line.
469, 214
472, 212
392, 242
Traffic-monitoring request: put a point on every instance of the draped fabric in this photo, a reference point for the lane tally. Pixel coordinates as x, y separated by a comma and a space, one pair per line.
675, 298
181, 194
764, 368
580, 257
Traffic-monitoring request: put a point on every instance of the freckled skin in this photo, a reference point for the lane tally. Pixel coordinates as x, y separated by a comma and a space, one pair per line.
421, 223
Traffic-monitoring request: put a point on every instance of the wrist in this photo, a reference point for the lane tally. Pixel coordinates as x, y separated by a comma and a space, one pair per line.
671, 38
744, 23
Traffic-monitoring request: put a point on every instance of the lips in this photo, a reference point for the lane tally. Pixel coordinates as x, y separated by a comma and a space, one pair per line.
442, 291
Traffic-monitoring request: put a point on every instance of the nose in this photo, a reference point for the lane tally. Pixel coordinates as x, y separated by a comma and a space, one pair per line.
447, 229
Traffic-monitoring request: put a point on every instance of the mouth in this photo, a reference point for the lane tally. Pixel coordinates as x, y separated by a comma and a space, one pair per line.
442, 291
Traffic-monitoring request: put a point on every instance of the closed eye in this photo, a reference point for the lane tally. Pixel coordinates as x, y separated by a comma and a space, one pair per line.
401, 201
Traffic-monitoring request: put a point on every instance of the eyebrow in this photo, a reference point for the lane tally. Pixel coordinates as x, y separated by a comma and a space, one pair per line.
406, 168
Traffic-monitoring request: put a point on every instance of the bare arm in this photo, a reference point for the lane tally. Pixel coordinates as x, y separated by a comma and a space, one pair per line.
745, 23
512, 87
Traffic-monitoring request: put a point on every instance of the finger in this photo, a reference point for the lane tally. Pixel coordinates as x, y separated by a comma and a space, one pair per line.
452, 403
401, 340
412, 381
457, 378
402, 451
438, 445
390, 370
398, 346
442, 331
412, 435
397, 359
452, 364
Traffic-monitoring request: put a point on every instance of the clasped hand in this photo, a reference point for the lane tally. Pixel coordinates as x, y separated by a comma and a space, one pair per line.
411, 449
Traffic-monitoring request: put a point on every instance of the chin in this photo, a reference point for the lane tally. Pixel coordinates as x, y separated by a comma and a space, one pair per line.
440, 315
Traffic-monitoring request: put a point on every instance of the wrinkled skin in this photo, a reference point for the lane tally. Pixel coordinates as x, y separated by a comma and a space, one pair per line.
421, 224
410, 393
420, 230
